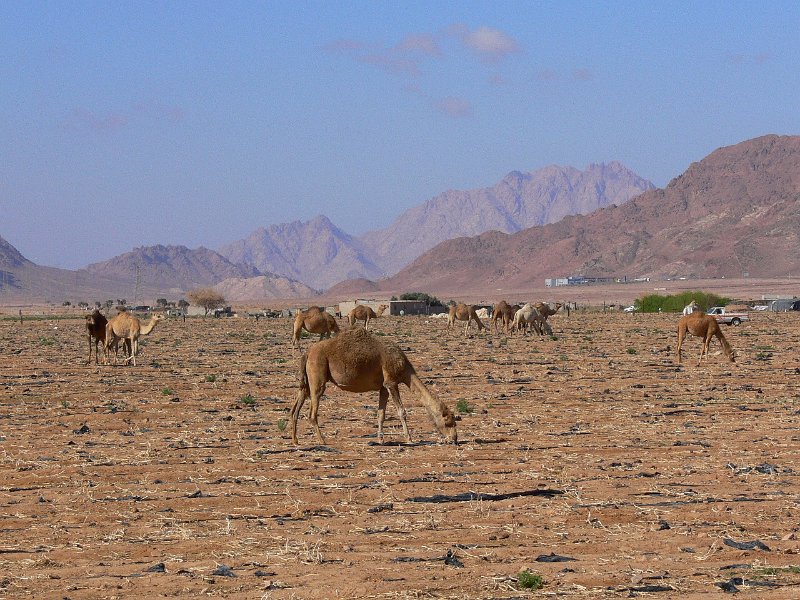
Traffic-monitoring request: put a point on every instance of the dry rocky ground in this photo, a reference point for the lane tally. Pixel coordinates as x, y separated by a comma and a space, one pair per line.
591, 458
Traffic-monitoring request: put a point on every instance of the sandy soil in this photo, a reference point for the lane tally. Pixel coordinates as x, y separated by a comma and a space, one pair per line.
591, 458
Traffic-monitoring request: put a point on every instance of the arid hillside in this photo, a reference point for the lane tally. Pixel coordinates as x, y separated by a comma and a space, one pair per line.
735, 213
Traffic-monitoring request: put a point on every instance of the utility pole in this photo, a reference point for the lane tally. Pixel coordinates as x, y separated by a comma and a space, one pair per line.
136, 290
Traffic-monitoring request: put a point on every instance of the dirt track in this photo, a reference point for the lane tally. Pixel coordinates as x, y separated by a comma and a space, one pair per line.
165, 480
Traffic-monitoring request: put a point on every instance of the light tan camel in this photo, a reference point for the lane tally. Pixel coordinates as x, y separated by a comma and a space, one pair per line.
96, 330
705, 326
529, 315
463, 312
546, 310
365, 313
128, 328
358, 361
314, 320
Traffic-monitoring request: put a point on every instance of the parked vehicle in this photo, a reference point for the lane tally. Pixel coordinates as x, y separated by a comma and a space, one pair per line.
729, 318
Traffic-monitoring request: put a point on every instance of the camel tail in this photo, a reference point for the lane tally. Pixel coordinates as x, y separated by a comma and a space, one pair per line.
302, 375
726, 347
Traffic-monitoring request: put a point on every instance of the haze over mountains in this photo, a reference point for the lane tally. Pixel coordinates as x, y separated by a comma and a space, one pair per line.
321, 254
735, 212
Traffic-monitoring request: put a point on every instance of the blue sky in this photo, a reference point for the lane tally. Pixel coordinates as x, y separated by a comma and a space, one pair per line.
126, 124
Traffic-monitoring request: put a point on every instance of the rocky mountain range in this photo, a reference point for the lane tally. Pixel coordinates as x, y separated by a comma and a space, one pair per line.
143, 274
735, 213
316, 252
519, 201
320, 254
174, 268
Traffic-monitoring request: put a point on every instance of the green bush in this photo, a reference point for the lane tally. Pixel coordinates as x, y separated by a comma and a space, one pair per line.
676, 302
529, 581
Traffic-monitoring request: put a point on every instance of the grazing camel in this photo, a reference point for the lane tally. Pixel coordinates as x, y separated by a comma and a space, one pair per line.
463, 312
546, 310
96, 329
504, 313
364, 313
529, 315
700, 324
357, 361
314, 320
128, 328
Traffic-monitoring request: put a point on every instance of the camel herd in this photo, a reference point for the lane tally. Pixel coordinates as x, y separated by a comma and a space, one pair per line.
123, 328
358, 361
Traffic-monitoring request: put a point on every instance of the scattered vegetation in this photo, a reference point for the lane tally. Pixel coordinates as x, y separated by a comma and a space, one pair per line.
676, 302
631, 350
167, 391
529, 581
464, 407
248, 400
211, 378
282, 424
207, 298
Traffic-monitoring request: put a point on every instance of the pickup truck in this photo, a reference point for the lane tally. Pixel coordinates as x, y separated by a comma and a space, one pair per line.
729, 318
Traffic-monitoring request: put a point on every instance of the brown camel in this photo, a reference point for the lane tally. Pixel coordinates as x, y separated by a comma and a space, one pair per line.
128, 328
546, 310
364, 313
314, 320
463, 312
705, 326
504, 313
96, 329
358, 361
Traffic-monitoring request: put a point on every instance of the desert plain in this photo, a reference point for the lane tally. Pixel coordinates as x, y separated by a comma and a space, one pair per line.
591, 458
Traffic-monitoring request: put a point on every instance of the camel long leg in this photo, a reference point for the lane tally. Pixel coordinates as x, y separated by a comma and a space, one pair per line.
316, 392
681, 335
401, 411
383, 398
302, 394
366, 323
706, 343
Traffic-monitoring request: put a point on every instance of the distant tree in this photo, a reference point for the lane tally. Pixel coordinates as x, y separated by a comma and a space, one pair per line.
66, 303
162, 302
421, 296
208, 298
122, 301
83, 304
182, 303
98, 304
109, 303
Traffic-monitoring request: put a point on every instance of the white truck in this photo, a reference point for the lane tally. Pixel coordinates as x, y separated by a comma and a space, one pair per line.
729, 318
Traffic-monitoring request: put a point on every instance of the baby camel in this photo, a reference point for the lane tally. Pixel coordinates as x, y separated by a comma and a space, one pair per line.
705, 326
314, 320
364, 313
463, 312
128, 328
357, 361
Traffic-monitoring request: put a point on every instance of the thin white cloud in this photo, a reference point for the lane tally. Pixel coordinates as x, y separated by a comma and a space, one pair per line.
491, 45
420, 43
457, 108
398, 66
582, 74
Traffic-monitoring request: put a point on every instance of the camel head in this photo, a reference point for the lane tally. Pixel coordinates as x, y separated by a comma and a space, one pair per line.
445, 423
